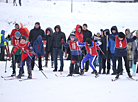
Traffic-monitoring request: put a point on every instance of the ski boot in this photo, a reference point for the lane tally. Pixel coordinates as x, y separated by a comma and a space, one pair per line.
129, 75
70, 74
29, 75
19, 75
117, 76
55, 70
104, 71
96, 74
52, 64
82, 72
46, 64
13, 74
100, 71
108, 71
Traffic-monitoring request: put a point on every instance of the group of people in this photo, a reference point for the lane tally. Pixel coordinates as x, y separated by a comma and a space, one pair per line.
81, 47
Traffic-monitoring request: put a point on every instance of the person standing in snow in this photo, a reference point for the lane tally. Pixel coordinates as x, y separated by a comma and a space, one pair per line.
75, 54
27, 50
2, 45
58, 39
135, 55
38, 49
106, 56
20, 3
14, 3
121, 51
49, 46
34, 33
86, 34
111, 45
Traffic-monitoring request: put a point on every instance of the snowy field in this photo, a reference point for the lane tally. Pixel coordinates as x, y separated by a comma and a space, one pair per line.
68, 89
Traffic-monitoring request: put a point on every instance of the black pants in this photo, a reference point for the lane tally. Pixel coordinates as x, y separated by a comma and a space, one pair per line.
2, 53
39, 62
14, 3
75, 59
104, 61
47, 53
120, 64
20, 3
15, 59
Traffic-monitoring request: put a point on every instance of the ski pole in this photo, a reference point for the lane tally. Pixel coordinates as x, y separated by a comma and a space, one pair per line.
105, 56
38, 67
6, 58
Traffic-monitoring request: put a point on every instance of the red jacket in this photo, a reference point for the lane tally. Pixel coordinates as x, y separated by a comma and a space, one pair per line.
21, 30
78, 35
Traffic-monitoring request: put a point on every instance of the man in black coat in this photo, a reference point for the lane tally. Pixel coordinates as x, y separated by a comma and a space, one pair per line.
58, 39
34, 33
86, 34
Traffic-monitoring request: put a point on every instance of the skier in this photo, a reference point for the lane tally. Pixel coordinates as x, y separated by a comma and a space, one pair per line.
75, 54
91, 49
26, 48
49, 47
38, 49
2, 44
121, 51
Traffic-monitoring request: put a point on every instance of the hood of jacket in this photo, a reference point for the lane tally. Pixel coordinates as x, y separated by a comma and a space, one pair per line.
77, 26
18, 24
2, 32
39, 38
114, 28
57, 26
49, 28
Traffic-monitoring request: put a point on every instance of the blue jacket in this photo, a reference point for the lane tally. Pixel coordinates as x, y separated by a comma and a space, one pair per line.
38, 46
2, 39
111, 43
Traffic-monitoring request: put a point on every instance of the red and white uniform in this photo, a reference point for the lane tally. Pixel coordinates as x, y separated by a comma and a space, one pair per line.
120, 44
73, 46
91, 50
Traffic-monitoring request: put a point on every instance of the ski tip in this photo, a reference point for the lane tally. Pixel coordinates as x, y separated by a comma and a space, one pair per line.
2, 77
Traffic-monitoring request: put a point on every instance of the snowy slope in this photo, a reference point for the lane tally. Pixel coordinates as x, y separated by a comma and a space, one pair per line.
68, 89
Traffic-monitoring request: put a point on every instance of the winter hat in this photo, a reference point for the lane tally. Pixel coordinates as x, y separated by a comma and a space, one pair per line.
17, 33
85, 24
88, 41
23, 37
2, 31
101, 30
121, 35
37, 23
137, 31
98, 33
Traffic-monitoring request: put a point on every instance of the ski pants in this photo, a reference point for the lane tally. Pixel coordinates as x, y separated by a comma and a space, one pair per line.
86, 58
15, 59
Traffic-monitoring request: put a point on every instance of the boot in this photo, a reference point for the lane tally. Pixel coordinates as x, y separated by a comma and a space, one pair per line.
117, 76
104, 71
82, 72
100, 71
30, 75
22, 73
55, 70
92, 72
19, 76
96, 74
129, 75
108, 71
52, 64
13, 74
46, 63
61, 70
70, 74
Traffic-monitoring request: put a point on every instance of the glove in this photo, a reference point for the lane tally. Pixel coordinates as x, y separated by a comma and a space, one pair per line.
134, 38
13, 52
62, 41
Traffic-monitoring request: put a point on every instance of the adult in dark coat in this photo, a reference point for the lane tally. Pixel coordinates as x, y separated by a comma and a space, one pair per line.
107, 54
34, 33
49, 45
86, 34
58, 39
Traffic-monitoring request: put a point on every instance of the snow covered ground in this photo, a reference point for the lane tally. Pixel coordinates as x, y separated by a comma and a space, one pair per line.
68, 89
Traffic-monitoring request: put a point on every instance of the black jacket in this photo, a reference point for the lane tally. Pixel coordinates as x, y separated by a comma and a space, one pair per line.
34, 33
57, 37
86, 34
48, 39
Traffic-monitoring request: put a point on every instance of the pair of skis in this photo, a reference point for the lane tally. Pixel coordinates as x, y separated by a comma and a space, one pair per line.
13, 78
113, 80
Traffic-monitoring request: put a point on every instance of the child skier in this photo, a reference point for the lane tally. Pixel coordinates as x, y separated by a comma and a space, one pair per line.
91, 53
39, 50
26, 48
121, 51
75, 53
